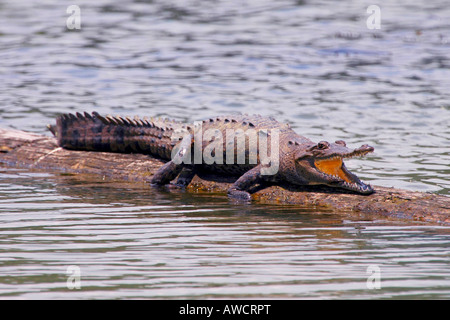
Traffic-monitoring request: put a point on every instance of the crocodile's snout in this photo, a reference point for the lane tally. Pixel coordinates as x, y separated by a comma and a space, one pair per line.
329, 161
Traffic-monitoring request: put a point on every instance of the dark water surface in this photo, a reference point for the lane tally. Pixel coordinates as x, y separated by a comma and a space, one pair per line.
314, 64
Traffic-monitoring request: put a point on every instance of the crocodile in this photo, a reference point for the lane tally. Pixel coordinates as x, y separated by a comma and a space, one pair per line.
299, 160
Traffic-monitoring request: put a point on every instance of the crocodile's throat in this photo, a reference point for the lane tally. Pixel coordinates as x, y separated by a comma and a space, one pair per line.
333, 167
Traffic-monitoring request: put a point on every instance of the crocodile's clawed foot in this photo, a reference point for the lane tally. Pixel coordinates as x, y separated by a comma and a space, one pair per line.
177, 186
182, 182
239, 195
170, 187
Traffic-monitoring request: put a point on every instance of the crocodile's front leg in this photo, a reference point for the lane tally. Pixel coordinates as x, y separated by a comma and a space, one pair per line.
241, 188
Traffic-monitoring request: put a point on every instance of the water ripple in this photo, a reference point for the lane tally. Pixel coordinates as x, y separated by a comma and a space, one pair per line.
312, 64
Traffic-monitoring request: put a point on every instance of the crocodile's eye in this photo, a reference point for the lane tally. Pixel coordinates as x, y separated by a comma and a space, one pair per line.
322, 145
341, 142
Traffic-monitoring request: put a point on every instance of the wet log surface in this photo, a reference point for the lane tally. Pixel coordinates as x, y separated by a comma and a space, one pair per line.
28, 150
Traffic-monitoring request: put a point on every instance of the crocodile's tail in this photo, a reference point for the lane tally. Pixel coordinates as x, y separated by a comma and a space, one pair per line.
115, 134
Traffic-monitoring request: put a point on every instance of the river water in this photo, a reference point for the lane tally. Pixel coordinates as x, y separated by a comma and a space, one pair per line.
314, 64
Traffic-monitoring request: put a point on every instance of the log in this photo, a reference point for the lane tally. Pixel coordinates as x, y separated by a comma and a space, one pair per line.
33, 151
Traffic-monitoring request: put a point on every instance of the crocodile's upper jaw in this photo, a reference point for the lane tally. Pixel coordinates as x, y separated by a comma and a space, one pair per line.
332, 167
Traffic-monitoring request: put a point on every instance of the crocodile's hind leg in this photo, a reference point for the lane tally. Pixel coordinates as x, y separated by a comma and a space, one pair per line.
241, 188
186, 176
172, 169
167, 173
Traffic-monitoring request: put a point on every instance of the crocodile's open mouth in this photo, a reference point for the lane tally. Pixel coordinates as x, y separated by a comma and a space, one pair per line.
334, 167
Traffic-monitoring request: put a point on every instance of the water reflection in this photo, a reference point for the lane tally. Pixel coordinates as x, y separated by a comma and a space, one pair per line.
131, 242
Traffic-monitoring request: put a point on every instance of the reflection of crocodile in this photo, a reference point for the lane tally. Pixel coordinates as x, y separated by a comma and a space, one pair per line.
300, 161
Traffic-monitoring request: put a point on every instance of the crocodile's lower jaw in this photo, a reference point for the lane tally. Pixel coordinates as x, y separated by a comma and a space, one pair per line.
358, 187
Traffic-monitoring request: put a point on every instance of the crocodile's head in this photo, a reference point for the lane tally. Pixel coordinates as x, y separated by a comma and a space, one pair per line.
323, 163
